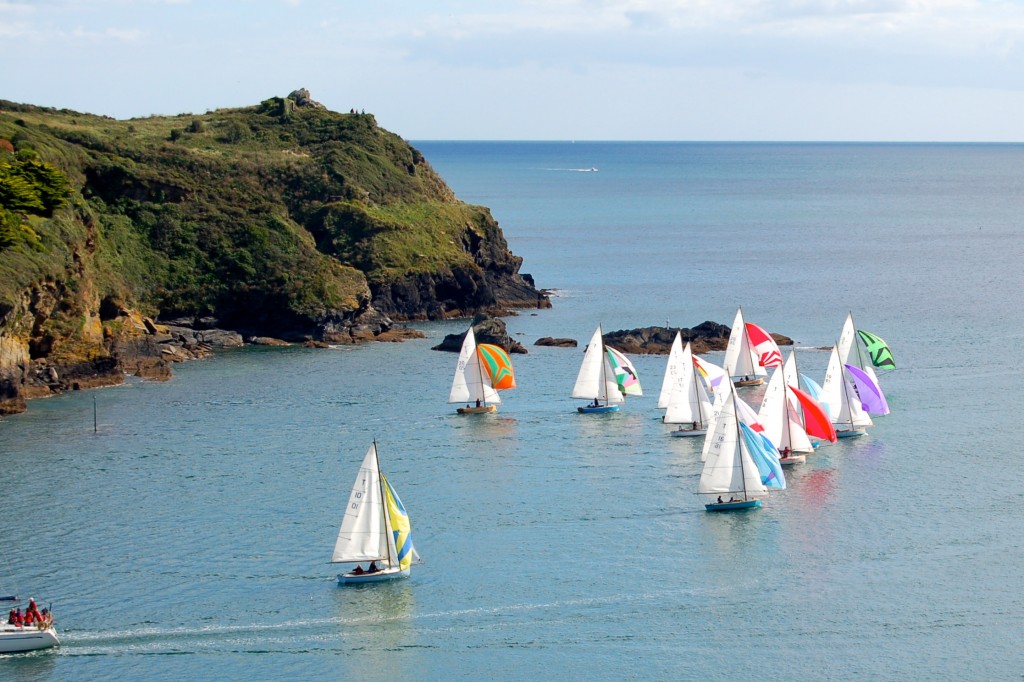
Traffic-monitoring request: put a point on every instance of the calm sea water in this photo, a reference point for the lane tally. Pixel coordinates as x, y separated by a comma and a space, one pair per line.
189, 536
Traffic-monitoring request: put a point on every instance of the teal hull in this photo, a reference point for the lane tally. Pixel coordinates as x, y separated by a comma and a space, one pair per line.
598, 410
732, 506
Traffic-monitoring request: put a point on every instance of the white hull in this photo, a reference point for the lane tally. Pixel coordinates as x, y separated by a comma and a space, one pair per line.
375, 577
685, 433
14, 639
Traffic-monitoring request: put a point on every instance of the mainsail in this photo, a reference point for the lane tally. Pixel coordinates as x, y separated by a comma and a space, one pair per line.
740, 359
596, 379
364, 534
688, 402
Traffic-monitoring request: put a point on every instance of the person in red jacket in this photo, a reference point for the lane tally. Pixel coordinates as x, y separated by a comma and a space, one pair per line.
33, 609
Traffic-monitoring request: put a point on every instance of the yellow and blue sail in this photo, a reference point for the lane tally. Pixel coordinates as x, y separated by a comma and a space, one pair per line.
498, 365
401, 527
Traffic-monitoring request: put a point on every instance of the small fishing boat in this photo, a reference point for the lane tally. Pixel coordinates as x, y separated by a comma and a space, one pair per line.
481, 372
375, 529
606, 377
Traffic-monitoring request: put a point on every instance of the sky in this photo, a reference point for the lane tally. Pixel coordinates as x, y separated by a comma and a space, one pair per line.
745, 70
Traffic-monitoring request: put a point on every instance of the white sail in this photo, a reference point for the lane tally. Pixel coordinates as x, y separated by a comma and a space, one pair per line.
728, 467
471, 381
839, 397
722, 396
780, 418
596, 379
673, 380
740, 359
365, 534
688, 401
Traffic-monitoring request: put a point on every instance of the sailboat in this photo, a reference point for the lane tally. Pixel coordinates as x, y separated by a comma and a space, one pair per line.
685, 401
780, 416
852, 355
19, 638
729, 468
481, 372
606, 377
841, 400
375, 528
750, 351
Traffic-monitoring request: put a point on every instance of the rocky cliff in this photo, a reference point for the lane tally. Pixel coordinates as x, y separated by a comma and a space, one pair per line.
124, 245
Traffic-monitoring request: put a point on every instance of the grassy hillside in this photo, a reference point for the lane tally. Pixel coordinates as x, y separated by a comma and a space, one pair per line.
268, 216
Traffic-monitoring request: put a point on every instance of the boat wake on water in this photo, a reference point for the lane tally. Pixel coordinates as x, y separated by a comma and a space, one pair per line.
592, 169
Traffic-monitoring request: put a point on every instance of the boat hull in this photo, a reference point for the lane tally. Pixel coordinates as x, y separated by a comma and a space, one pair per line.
375, 577
15, 640
748, 382
483, 409
601, 409
789, 460
732, 506
850, 433
687, 433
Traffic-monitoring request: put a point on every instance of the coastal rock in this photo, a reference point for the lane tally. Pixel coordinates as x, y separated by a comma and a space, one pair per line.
266, 341
486, 330
220, 338
556, 342
302, 98
706, 337
491, 283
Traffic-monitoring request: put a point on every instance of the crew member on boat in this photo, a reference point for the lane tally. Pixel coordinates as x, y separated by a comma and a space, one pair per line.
32, 612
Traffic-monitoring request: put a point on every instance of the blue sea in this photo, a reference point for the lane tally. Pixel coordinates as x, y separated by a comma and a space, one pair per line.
188, 535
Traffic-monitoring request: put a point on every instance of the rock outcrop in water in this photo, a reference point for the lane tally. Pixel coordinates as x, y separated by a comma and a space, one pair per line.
486, 330
705, 337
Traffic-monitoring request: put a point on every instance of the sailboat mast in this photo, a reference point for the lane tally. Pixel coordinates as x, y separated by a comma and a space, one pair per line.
696, 393
604, 371
739, 445
383, 500
479, 370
